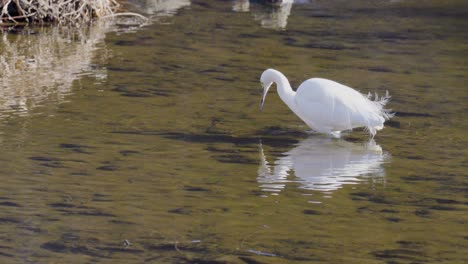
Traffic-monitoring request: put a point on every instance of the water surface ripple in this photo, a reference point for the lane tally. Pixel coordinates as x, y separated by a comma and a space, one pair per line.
147, 146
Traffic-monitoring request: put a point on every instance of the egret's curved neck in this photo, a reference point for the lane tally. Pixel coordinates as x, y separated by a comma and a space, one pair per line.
285, 91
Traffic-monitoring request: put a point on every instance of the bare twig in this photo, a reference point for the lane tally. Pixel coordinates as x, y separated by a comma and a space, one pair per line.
59, 11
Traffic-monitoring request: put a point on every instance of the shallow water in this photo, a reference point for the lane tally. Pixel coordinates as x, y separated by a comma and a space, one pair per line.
147, 145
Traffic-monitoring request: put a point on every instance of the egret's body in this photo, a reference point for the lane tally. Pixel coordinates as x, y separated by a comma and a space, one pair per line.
327, 106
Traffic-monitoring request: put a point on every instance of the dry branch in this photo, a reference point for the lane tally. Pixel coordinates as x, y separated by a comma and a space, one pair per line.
55, 11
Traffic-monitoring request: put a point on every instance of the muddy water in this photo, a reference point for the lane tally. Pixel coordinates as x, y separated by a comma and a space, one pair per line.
148, 146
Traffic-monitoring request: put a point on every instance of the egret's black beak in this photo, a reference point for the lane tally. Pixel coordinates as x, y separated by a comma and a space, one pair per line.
262, 100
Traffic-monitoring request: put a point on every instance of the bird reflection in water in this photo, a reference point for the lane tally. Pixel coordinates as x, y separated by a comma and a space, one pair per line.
271, 14
322, 164
160, 8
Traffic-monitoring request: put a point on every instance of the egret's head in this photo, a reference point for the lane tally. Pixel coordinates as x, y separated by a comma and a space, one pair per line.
266, 82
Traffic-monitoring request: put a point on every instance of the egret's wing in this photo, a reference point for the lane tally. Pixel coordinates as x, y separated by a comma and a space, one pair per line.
320, 103
362, 111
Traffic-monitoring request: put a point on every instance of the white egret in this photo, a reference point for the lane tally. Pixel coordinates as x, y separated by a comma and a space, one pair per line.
327, 106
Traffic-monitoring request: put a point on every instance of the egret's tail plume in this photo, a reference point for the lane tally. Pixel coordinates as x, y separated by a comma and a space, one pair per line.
382, 114
380, 103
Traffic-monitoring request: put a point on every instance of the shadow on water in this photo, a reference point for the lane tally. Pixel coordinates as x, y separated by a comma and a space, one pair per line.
316, 163
273, 136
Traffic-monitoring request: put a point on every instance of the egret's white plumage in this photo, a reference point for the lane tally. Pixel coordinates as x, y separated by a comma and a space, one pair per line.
327, 106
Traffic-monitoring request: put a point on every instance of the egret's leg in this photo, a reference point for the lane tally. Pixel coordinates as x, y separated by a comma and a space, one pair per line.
372, 132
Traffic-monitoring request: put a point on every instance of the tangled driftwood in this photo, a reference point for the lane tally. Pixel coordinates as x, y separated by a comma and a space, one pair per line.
55, 11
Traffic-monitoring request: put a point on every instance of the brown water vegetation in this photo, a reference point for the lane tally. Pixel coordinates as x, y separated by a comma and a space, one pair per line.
14, 12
